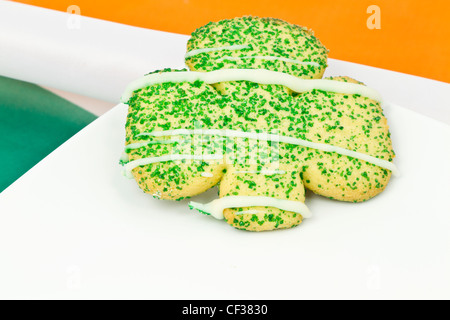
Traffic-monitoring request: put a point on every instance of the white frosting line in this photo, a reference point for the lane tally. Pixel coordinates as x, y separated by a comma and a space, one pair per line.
215, 208
309, 63
264, 172
124, 157
138, 145
207, 174
279, 138
204, 50
172, 157
260, 76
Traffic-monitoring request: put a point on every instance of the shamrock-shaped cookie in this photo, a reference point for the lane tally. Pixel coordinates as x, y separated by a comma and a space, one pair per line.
253, 117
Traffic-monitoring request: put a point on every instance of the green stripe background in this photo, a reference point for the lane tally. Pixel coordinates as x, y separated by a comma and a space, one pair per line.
33, 123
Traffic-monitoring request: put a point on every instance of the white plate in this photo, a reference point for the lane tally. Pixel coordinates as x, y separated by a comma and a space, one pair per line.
73, 227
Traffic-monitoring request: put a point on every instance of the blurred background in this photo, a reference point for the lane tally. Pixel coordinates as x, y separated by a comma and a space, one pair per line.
414, 35
39, 111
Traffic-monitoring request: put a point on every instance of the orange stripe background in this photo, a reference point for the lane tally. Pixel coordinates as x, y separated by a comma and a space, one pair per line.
414, 36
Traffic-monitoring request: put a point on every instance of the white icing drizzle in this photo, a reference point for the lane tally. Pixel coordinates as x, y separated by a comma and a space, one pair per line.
231, 48
264, 172
172, 157
215, 208
124, 157
207, 174
308, 63
260, 76
274, 137
138, 145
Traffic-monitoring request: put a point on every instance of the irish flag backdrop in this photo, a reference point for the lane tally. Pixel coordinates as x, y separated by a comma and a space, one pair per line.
409, 36
413, 37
